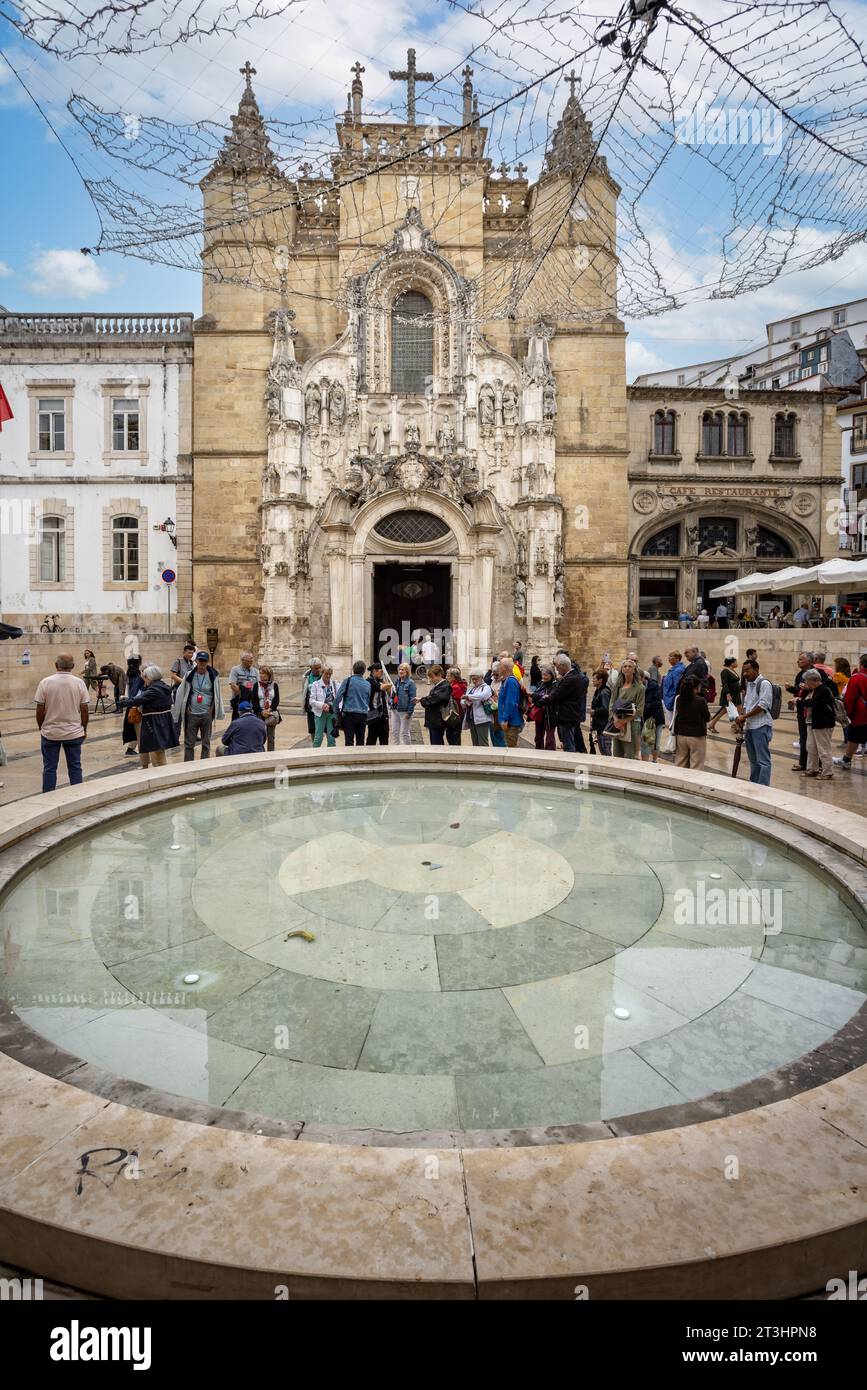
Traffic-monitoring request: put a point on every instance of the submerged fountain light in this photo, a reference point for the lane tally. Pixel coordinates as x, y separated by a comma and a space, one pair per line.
621, 1013
192, 979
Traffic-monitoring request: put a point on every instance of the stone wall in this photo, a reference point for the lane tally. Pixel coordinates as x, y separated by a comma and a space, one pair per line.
777, 647
18, 682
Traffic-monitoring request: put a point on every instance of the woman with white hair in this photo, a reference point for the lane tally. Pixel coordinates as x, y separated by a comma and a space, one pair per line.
151, 709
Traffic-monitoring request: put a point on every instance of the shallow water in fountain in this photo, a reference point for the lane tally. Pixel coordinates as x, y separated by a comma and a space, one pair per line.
486, 954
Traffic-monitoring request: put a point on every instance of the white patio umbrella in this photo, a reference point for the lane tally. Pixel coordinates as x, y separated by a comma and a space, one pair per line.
831, 574
759, 582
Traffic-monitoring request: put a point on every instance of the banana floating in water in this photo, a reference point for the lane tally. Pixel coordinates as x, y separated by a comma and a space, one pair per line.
305, 935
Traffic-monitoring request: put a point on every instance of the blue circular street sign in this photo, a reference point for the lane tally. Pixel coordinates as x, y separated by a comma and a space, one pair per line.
168, 576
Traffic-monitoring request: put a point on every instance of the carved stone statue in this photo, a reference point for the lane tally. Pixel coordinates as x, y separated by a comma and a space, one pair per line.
412, 436
486, 407
541, 555
338, 406
521, 557
751, 537
510, 406
520, 597
559, 595
691, 537
377, 433
272, 403
301, 553
312, 404
446, 442
549, 402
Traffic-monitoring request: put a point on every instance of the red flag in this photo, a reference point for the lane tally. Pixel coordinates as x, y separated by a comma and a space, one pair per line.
5, 408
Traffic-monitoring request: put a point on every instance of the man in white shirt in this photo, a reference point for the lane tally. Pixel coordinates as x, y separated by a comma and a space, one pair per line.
430, 652
756, 722
62, 712
801, 616
722, 614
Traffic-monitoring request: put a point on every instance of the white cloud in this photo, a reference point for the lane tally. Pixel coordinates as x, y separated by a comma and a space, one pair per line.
640, 359
66, 275
5, 270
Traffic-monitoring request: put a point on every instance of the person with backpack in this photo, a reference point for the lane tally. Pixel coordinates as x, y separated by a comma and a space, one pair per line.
453, 717
510, 706
756, 721
855, 702
435, 704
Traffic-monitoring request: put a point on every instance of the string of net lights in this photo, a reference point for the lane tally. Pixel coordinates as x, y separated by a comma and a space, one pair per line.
737, 145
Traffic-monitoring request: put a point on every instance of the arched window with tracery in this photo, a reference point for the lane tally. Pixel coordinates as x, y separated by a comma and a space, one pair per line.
664, 432
712, 433
785, 435
738, 434
412, 344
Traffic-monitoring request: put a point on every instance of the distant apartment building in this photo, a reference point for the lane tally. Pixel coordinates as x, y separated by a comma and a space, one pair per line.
95, 470
815, 349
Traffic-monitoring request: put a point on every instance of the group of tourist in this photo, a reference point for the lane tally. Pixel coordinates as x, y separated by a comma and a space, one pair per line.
629, 712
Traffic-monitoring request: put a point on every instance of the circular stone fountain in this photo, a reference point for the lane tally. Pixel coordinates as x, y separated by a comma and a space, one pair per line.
467, 985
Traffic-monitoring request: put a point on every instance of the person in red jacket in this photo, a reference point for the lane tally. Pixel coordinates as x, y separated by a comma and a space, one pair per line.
855, 700
459, 690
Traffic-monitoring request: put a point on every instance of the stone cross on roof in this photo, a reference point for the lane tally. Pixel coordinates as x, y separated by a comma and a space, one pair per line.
410, 76
248, 71
573, 80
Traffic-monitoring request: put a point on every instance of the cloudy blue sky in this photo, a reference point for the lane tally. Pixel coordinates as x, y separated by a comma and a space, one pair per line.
303, 56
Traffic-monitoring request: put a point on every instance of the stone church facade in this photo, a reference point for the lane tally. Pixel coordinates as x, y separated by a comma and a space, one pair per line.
395, 432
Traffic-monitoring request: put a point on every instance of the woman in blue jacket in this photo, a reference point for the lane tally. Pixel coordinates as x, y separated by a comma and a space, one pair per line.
401, 699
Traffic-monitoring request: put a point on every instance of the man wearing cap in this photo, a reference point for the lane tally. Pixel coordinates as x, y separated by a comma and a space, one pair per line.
197, 703
246, 733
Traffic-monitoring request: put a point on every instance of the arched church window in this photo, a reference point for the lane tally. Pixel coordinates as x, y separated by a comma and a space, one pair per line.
772, 546
411, 344
664, 432
712, 433
411, 528
665, 542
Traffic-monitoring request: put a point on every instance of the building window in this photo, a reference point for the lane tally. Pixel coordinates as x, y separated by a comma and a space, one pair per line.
664, 432
796, 327
770, 546
738, 435
124, 424
715, 532
52, 424
859, 476
52, 550
859, 432
784, 436
839, 317
411, 344
665, 542
681, 380
124, 550
712, 434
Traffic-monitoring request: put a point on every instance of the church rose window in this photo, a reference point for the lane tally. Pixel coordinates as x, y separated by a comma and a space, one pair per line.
411, 344
411, 528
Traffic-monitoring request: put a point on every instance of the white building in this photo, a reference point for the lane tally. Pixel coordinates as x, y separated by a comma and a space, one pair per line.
95, 471
791, 346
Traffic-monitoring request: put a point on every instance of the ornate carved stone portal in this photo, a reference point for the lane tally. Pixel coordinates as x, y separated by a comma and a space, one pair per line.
475, 449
